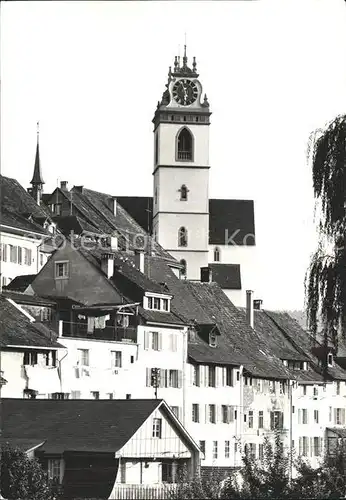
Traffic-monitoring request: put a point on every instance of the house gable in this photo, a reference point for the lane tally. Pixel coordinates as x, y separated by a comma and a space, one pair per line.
143, 444
85, 283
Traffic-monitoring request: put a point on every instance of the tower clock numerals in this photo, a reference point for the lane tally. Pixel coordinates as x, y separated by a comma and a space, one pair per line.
185, 92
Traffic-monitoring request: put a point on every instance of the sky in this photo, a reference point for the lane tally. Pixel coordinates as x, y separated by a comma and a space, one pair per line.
92, 72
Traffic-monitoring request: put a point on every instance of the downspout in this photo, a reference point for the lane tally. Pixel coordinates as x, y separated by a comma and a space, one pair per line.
184, 373
59, 370
290, 471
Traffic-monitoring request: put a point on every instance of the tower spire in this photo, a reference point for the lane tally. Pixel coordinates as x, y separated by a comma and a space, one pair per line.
37, 176
37, 179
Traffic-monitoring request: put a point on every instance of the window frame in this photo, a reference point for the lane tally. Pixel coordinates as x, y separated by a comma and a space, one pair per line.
157, 428
65, 264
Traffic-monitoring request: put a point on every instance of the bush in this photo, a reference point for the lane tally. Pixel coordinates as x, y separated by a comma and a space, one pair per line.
22, 478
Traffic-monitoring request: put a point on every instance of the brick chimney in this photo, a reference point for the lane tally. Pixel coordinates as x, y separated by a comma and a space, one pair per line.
79, 189
107, 264
63, 185
249, 308
206, 275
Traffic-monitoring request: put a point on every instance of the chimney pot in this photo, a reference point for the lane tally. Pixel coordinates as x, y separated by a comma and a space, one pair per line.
63, 185
257, 304
206, 275
139, 260
249, 308
107, 264
112, 203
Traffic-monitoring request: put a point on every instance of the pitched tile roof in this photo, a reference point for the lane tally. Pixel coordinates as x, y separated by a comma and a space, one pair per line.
9, 218
237, 334
25, 298
226, 275
69, 223
20, 283
281, 344
18, 330
231, 217
94, 210
75, 425
302, 340
16, 199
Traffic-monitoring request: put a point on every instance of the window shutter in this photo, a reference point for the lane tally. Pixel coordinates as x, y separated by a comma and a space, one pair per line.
148, 377
206, 413
312, 448
206, 376
271, 420
231, 413
218, 414
281, 425
180, 379
160, 341
300, 446
335, 415
299, 416
146, 340
342, 416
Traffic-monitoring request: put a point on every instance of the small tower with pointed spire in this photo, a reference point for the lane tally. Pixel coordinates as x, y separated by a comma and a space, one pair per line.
37, 179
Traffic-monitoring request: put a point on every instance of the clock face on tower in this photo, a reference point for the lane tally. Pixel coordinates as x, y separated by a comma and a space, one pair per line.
185, 92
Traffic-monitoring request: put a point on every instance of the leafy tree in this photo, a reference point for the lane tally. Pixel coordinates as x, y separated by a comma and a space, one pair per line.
22, 478
326, 277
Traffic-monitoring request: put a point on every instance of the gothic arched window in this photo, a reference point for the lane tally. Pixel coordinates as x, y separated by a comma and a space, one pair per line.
184, 268
216, 254
183, 193
182, 237
184, 145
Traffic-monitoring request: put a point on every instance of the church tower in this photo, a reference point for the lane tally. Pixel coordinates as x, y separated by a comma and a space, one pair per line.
181, 169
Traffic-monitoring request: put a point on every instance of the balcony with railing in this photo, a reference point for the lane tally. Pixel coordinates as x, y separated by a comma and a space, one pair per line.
108, 332
185, 155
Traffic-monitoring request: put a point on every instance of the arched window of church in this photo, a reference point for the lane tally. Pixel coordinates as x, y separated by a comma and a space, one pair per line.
183, 193
156, 149
184, 145
216, 254
182, 237
183, 269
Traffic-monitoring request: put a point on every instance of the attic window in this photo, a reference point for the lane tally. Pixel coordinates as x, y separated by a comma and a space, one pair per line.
157, 303
330, 359
212, 340
61, 269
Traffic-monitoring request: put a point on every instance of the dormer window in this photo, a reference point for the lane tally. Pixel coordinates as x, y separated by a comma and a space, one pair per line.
330, 359
212, 340
157, 302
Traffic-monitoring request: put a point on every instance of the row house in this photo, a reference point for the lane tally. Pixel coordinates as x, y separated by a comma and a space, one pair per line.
118, 325
25, 232
317, 399
29, 354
